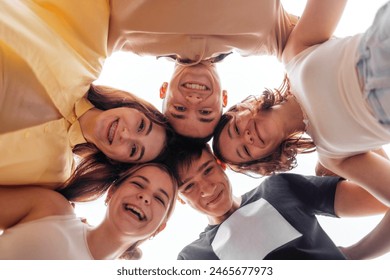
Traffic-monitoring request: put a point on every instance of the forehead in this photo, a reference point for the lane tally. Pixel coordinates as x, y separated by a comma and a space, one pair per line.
155, 176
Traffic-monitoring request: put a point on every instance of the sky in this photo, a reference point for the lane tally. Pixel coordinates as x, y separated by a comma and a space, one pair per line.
240, 77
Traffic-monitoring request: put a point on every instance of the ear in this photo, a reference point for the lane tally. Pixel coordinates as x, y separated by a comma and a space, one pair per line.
181, 200
163, 90
222, 164
110, 192
160, 229
224, 98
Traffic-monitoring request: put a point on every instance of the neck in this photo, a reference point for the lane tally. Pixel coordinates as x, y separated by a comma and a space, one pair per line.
111, 248
216, 220
292, 116
87, 123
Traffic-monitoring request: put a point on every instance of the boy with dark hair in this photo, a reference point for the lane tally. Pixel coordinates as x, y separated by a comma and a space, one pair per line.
277, 219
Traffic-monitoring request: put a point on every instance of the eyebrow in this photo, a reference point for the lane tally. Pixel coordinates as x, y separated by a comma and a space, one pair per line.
200, 168
141, 154
182, 117
143, 178
229, 132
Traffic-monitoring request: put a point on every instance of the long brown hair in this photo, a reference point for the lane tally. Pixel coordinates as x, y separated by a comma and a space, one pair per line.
283, 158
105, 98
94, 169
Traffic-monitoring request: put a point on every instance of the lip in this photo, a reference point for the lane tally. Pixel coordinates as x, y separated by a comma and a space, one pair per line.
256, 131
111, 131
216, 198
134, 212
196, 86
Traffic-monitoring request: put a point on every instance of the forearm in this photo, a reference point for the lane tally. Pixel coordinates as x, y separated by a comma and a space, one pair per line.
319, 20
317, 24
374, 244
368, 170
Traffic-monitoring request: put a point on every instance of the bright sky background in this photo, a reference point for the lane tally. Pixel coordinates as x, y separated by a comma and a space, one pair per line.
241, 77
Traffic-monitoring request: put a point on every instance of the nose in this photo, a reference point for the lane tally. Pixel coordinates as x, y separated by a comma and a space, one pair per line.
144, 198
194, 98
125, 134
207, 189
248, 137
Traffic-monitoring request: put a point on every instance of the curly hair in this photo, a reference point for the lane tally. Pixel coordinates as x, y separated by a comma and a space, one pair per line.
283, 158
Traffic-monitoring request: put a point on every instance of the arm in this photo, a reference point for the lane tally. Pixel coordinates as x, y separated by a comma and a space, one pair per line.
352, 201
320, 170
19, 205
374, 244
369, 170
317, 24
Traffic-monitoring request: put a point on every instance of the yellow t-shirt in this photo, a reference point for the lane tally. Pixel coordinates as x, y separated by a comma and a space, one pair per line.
50, 53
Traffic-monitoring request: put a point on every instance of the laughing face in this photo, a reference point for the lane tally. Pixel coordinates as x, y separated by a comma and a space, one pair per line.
193, 101
127, 135
249, 136
140, 204
206, 187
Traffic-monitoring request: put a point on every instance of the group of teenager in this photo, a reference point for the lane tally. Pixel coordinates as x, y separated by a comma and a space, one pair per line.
65, 140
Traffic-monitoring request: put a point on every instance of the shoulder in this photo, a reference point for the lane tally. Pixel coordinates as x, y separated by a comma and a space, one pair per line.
47, 203
299, 185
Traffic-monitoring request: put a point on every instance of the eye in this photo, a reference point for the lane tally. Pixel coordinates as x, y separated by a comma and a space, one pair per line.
246, 150
236, 129
180, 108
137, 184
188, 188
141, 126
160, 200
133, 150
208, 170
205, 112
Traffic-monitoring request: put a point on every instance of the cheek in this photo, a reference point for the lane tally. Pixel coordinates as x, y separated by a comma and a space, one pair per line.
117, 153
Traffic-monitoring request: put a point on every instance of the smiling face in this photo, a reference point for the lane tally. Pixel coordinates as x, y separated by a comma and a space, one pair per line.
140, 204
127, 135
206, 187
193, 102
249, 136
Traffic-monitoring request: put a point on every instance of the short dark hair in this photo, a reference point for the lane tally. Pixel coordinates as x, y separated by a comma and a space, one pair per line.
183, 154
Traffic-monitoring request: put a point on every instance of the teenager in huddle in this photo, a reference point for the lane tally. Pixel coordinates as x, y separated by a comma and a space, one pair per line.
344, 109
277, 219
39, 223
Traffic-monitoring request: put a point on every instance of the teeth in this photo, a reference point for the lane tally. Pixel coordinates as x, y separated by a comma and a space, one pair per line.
111, 131
195, 86
136, 211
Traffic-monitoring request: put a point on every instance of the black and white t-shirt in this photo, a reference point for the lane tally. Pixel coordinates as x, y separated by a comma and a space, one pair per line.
275, 221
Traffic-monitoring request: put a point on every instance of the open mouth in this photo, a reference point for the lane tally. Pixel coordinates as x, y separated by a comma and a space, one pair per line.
137, 212
196, 86
111, 131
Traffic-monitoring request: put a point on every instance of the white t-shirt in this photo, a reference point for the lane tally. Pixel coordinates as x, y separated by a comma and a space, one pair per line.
325, 82
49, 238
